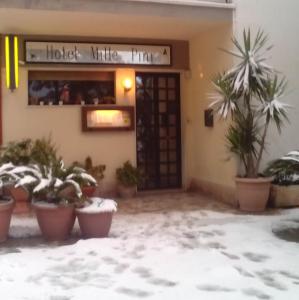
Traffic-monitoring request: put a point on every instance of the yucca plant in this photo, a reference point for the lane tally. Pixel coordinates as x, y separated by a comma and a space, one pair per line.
285, 170
250, 94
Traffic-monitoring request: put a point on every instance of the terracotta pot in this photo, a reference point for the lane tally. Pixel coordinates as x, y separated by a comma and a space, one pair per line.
127, 191
253, 193
88, 191
21, 197
284, 195
6, 208
55, 222
94, 225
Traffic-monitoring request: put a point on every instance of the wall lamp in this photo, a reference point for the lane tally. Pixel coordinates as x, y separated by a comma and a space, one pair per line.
12, 62
127, 84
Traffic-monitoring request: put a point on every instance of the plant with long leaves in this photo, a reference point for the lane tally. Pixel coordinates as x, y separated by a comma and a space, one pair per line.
47, 183
285, 170
250, 93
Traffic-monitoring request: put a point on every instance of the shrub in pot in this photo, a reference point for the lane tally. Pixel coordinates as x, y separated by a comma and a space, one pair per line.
6, 208
6, 205
54, 207
22, 153
17, 153
285, 184
250, 93
95, 217
96, 171
128, 177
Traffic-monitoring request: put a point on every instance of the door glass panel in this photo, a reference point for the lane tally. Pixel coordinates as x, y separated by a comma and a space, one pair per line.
171, 95
163, 169
172, 168
163, 144
148, 95
162, 132
162, 107
164, 181
172, 107
172, 144
139, 82
163, 156
172, 156
172, 131
172, 119
162, 82
173, 180
162, 95
171, 83
149, 83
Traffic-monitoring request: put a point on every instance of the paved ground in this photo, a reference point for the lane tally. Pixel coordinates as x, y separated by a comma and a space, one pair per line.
164, 246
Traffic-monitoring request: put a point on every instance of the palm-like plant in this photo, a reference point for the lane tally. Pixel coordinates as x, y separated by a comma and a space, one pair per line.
250, 93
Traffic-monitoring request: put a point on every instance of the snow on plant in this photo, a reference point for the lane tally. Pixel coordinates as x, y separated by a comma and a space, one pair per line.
285, 169
47, 182
82, 176
251, 94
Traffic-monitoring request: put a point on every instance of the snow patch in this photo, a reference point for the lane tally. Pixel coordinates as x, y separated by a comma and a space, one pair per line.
99, 205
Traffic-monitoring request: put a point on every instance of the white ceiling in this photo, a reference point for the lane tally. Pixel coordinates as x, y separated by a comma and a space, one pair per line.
41, 22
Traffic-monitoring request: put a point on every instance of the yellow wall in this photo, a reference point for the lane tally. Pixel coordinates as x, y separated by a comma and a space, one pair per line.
64, 124
205, 147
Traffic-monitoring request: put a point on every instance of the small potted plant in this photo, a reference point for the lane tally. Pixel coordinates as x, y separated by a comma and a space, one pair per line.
97, 172
285, 184
95, 217
6, 205
128, 178
53, 206
250, 93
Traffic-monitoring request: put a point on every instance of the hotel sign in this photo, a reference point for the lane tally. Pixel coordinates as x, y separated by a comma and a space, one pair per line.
95, 53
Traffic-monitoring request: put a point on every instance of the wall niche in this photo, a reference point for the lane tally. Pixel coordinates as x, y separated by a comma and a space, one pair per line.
71, 87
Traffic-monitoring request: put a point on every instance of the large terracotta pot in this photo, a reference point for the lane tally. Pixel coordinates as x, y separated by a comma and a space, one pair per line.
94, 225
6, 208
253, 193
127, 191
55, 222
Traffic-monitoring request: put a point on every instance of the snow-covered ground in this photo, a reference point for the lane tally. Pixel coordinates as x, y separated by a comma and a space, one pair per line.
172, 246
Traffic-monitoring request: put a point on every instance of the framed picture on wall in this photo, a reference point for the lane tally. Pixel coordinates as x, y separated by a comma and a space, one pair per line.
107, 118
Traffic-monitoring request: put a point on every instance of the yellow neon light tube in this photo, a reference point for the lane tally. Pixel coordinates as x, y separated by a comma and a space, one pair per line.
16, 52
7, 61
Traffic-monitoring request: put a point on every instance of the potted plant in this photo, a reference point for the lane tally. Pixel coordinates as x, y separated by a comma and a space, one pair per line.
17, 153
97, 172
6, 205
250, 93
95, 217
21, 153
128, 177
53, 206
285, 184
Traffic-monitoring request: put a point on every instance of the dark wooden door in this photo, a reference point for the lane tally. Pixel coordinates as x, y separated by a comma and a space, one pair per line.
158, 130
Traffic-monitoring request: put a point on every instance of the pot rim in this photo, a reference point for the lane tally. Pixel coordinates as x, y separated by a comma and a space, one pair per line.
78, 211
254, 180
49, 206
4, 202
